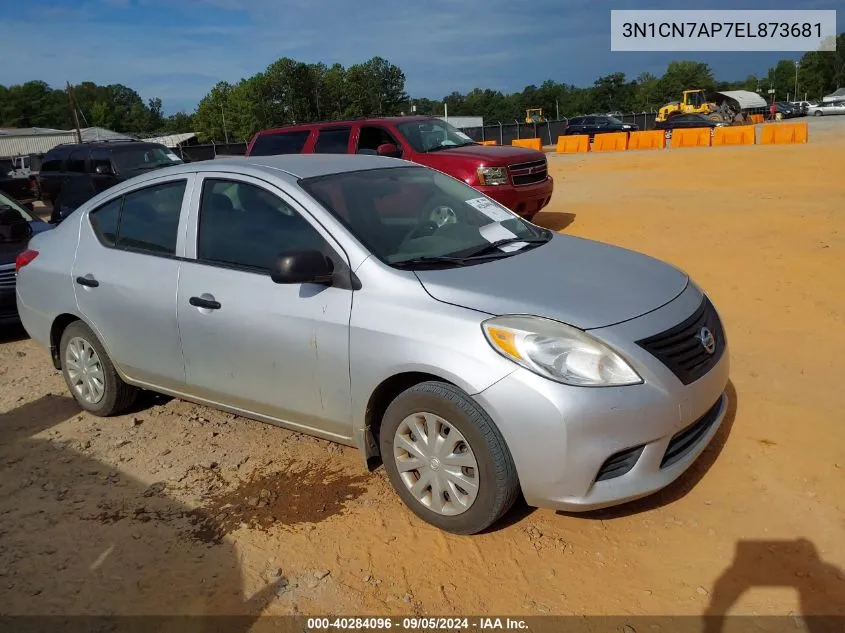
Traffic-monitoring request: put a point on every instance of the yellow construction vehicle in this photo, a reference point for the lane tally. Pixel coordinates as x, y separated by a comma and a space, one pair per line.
534, 115
693, 102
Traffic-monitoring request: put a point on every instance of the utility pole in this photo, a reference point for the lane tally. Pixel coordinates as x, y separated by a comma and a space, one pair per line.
796, 80
225, 132
73, 111
557, 109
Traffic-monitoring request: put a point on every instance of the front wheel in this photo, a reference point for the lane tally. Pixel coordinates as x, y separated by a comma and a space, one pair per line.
446, 459
817, 113
90, 375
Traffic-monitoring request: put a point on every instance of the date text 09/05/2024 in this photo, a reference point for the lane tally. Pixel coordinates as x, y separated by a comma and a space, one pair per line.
721, 29
418, 624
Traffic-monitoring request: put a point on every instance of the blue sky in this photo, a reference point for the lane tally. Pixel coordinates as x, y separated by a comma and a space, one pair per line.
178, 49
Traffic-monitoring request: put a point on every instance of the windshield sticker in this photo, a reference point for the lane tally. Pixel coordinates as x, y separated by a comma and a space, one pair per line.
173, 156
490, 209
494, 232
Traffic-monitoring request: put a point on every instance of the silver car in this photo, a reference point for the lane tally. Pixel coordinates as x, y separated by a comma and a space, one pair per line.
386, 306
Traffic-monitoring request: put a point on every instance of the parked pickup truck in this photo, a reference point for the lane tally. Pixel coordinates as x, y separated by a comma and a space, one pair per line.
516, 177
14, 183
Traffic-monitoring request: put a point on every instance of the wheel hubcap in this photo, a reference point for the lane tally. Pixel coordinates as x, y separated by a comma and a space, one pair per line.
84, 371
436, 464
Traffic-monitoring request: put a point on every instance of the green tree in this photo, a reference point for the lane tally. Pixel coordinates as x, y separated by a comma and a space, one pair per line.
646, 96
685, 75
782, 79
209, 119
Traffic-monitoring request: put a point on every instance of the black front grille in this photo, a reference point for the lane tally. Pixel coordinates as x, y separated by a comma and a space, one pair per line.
528, 173
7, 277
684, 441
681, 348
619, 463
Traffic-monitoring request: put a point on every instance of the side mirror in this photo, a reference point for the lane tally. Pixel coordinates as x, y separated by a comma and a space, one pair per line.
303, 267
103, 170
389, 149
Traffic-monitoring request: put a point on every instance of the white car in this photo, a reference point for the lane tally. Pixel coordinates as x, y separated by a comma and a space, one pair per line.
827, 108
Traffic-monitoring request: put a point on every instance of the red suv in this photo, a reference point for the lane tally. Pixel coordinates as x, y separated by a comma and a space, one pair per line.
516, 177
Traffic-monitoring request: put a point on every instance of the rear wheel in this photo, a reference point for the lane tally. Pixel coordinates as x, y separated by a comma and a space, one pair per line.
446, 459
89, 373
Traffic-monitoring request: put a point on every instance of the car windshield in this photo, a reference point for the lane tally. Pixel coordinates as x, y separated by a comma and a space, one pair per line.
142, 158
431, 135
414, 215
8, 203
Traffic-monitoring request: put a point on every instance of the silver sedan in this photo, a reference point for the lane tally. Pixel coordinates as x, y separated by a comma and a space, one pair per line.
386, 306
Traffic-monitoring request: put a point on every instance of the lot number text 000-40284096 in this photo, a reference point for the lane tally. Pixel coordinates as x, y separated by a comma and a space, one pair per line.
417, 624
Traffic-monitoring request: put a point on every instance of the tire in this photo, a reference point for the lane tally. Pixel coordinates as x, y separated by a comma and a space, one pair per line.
116, 395
818, 113
494, 474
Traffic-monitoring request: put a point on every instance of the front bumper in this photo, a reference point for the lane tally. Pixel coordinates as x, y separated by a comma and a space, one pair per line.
561, 438
525, 200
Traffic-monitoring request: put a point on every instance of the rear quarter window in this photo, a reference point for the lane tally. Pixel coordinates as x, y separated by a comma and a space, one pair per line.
280, 143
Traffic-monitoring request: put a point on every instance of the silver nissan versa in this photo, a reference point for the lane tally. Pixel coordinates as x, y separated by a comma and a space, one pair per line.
387, 306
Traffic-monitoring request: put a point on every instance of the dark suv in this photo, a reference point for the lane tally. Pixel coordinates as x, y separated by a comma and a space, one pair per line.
73, 173
593, 124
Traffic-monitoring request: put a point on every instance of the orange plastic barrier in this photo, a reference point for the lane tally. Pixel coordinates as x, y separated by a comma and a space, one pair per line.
740, 135
574, 144
785, 133
758, 118
691, 137
610, 142
655, 139
529, 143
487, 143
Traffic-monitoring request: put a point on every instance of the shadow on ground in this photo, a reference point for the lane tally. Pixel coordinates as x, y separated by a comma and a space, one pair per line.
79, 537
781, 563
554, 220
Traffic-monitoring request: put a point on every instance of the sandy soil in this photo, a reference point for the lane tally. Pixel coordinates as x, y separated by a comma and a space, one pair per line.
175, 508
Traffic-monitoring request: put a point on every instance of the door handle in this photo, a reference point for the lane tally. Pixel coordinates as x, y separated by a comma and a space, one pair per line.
88, 281
208, 304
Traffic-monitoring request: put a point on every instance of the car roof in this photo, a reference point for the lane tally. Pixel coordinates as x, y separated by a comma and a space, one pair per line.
298, 166
104, 144
295, 127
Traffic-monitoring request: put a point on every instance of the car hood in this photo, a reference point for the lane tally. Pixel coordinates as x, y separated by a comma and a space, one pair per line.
492, 154
580, 282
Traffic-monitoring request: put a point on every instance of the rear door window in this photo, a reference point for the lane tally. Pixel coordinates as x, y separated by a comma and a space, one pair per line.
77, 159
333, 141
149, 220
280, 143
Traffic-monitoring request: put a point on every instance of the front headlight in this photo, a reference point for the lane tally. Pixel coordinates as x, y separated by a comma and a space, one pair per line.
492, 175
559, 352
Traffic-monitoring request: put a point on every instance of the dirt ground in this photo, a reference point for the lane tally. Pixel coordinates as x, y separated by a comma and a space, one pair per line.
176, 508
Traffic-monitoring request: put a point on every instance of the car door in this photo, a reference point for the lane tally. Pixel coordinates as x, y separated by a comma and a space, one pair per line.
125, 275
279, 351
